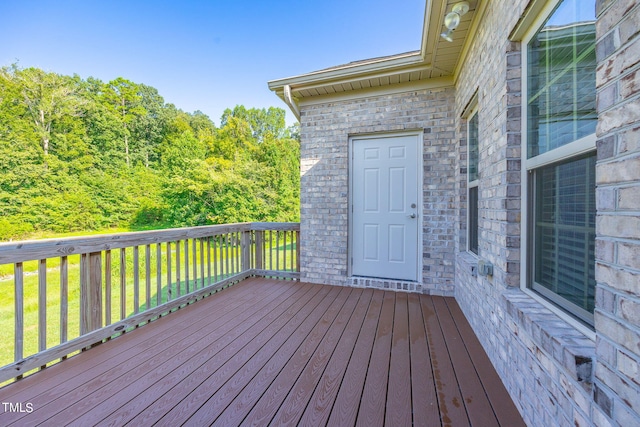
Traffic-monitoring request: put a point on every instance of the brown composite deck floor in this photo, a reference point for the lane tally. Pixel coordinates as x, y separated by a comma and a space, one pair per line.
268, 352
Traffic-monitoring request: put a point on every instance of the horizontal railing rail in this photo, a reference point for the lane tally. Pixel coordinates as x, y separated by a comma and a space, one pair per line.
62, 296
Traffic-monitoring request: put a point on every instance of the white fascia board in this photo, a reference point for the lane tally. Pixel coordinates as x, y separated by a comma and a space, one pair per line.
350, 71
481, 8
425, 29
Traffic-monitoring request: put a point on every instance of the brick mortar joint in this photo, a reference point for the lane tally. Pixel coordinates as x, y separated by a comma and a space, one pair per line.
610, 32
619, 52
624, 213
604, 10
615, 345
619, 102
613, 133
622, 18
612, 239
613, 81
616, 318
617, 185
614, 397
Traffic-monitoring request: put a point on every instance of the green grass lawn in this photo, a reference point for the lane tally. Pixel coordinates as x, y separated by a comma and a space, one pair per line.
31, 328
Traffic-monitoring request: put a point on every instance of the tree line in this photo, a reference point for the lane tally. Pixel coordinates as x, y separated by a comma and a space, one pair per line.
81, 154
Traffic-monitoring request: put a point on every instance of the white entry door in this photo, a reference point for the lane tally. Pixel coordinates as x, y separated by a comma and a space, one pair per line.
385, 213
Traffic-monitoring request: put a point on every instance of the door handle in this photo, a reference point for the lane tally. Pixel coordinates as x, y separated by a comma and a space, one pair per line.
412, 216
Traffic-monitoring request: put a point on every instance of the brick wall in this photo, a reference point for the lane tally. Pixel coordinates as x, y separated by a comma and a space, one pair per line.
325, 130
556, 374
545, 363
617, 317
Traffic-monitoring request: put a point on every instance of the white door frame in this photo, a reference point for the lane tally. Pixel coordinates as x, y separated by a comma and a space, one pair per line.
420, 174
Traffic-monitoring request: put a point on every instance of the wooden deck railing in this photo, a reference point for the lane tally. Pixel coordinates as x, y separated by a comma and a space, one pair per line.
90, 289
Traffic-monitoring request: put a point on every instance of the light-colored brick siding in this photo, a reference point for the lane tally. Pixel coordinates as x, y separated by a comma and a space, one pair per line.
545, 363
617, 317
325, 130
528, 370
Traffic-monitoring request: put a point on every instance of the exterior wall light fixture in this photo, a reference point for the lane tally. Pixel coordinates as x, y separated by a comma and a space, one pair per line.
452, 19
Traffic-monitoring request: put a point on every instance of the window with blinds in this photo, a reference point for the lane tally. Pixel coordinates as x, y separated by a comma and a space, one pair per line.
565, 234
472, 183
473, 219
560, 127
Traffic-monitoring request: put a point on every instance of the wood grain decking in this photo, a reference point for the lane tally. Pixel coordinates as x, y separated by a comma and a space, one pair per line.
268, 352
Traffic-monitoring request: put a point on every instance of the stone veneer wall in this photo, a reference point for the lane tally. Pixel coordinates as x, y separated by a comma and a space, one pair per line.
325, 130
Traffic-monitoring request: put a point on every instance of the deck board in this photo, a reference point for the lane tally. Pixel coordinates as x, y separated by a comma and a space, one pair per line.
109, 361
451, 408
347, 402
247, 398
176, 356
196, 356
374, 395
398, 408
268, 352
266, 408
322, 401
229, 384
177, 398
474, 397
508, 414
154, 332
298, 398
423, 394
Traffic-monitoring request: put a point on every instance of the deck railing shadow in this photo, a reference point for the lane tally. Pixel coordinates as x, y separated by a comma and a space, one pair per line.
73, 293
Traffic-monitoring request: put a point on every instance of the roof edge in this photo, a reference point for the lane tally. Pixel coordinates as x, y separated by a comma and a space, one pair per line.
425, 28
353, 69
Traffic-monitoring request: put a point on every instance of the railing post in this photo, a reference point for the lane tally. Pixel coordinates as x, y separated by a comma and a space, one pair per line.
245, 248
19, 311
298, 250
259, 249
90, 292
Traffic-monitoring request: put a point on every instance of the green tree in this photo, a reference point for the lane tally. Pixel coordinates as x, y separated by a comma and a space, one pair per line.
48, 97
123, 98
148, 125
81, 154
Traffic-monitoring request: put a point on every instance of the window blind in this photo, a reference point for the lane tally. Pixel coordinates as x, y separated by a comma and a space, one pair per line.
565, 230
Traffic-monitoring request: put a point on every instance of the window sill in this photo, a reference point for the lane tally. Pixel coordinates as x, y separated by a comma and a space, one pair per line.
567, 345
469, 262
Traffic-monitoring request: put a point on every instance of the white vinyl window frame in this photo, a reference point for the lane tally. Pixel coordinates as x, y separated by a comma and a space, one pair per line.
571, 150
472, 184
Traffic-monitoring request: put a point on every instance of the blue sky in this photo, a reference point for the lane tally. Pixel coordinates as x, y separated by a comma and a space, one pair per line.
204, 55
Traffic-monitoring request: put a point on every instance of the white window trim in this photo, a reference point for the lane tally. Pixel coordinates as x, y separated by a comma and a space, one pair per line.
472, 184
576, 148
565, 152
